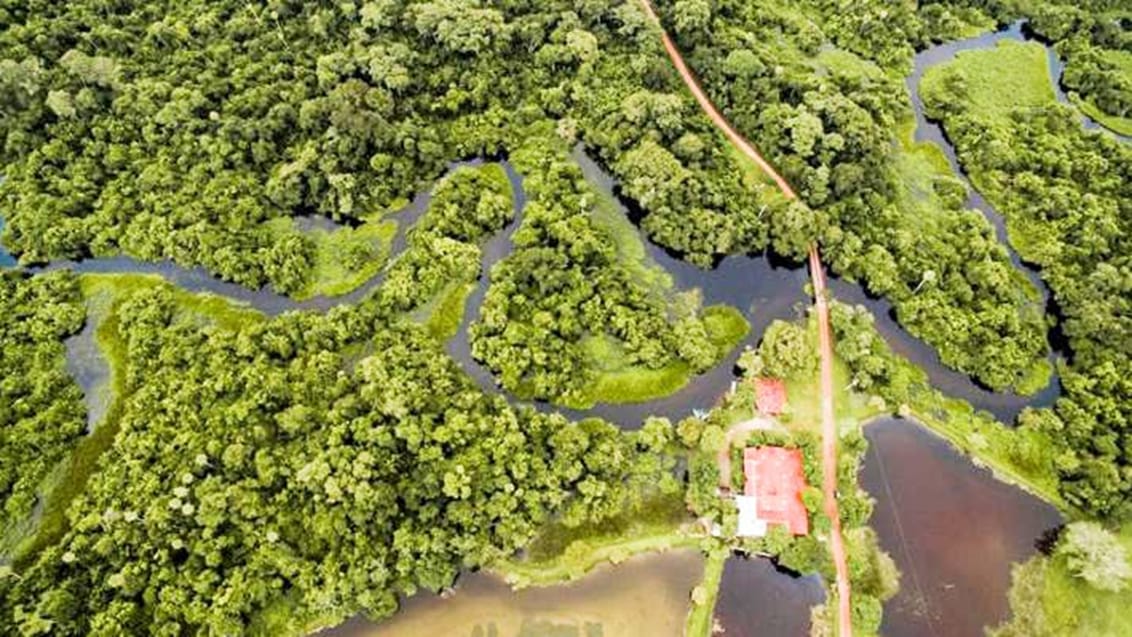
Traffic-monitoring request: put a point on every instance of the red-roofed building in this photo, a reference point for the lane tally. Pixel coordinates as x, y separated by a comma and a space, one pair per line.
770, 396
773, 491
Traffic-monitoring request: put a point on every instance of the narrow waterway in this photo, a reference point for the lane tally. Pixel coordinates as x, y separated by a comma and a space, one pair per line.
6, 259
89, 368
952, 528
646, 596
756, 600
763, 288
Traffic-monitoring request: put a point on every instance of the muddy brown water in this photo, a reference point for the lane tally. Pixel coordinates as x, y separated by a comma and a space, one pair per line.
758, 600
646, 596
952, 528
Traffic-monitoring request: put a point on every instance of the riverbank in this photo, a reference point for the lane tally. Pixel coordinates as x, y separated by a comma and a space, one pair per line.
559, 553
1047, 600
103, 293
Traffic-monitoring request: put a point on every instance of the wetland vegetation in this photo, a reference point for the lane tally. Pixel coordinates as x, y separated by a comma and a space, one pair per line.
525, 374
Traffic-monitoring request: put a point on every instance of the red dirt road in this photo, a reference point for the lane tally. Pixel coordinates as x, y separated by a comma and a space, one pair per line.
717, 118
829, 445
817, 274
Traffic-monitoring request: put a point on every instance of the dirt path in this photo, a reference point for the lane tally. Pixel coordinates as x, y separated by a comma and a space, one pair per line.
829, 423
717, 118
733, 433
829, 444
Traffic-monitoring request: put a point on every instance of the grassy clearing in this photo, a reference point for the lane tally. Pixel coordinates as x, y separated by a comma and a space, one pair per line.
700, 618
560, 553
618, 381
1047, 600
630, 247
1012, 75
928, 188
636, 384
725, 326
989, 443
1122, 60
344, 258
1119, 125
442, 316
803, 397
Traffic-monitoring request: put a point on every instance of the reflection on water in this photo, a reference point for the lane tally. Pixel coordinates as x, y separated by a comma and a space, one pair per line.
646, 596
756, 600
6, 259
86, 364
762, 288
952, 528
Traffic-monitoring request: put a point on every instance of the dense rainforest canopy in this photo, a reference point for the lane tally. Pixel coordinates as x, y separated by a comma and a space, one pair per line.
41, 409
265, 475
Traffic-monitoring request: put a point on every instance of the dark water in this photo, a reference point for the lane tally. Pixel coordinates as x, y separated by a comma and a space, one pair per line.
762, 289
1004, 405
930, 131
6, 259
197, 279
758, 600
86, 364
646, 596
952, 528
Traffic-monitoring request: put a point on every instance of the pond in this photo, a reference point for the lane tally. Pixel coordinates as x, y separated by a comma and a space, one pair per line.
756, 599
952, 528
646, 596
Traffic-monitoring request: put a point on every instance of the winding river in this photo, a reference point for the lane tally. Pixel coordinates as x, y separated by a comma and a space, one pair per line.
764, 289
951, 527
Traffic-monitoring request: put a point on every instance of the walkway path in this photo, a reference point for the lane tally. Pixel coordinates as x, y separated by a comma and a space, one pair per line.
829, 424
723, 460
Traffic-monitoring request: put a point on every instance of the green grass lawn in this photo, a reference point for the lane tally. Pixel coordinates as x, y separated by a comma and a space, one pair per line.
442, 315
560, 553
619, 382
1123, 125
1011, 75
704, 596
629, 246
1048, 601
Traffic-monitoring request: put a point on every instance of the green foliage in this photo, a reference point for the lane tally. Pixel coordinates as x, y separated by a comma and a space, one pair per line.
1096, 556
1025, 454
1047, 600
443, 255
564, 320
342, 259
822, 103
1098, 64
992, 82
132, 131
42, 415
337, 490
1065, 194
787, 350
